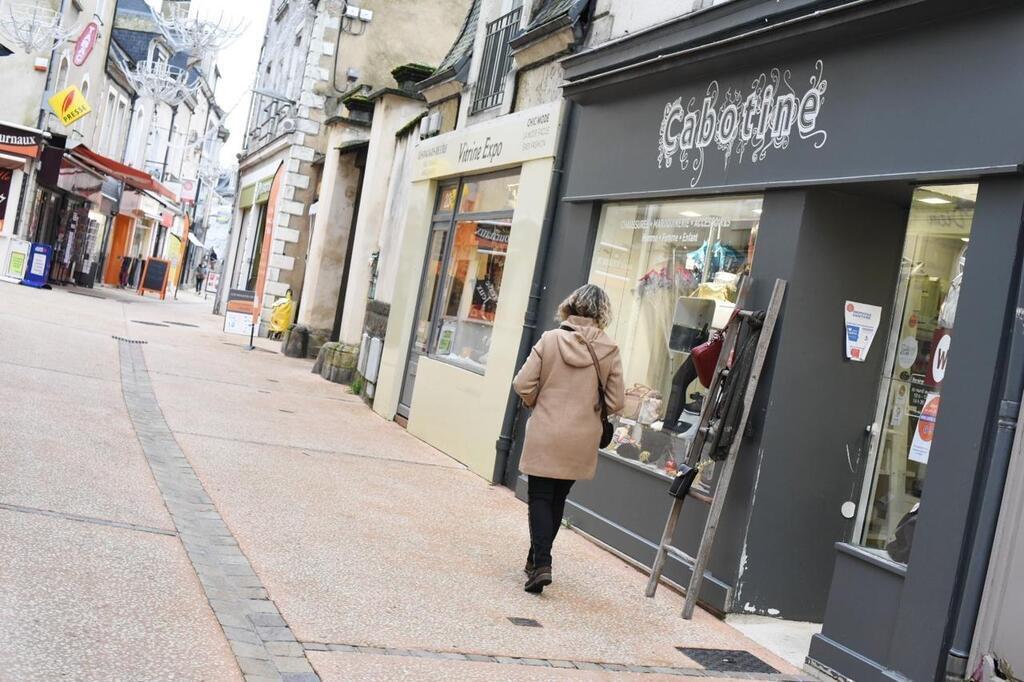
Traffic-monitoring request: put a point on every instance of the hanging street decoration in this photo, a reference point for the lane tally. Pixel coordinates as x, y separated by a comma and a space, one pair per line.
34, 28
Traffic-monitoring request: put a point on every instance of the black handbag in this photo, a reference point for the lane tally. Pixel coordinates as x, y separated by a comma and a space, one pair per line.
607, 430
681, 484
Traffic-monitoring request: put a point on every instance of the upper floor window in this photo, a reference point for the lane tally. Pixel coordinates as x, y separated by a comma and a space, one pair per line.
496, 61
62, 73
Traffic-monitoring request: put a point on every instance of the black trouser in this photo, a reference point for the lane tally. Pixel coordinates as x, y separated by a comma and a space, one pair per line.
682, 379
547, 504
199, 285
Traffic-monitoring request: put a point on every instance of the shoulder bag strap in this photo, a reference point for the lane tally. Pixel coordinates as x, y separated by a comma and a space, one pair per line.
602, 405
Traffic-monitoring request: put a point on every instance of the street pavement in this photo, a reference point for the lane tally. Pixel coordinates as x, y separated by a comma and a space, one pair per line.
176, 506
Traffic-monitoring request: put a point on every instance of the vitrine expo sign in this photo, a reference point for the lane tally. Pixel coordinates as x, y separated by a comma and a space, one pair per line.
742, 123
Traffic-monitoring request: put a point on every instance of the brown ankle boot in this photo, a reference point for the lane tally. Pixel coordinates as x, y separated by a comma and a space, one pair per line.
538, 580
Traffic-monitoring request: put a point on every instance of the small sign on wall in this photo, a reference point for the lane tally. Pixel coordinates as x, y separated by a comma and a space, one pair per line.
70, 105
85, 43
862, 322
921, 447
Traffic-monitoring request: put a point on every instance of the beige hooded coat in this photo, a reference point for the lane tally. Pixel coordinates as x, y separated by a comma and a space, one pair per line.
559, 382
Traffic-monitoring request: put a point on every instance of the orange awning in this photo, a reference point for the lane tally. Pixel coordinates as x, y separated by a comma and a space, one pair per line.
132, 177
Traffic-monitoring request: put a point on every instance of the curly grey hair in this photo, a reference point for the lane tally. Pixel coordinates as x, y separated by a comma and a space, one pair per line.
590, 301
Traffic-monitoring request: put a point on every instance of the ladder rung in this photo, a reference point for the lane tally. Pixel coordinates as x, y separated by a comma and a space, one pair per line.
700, 497
679, 555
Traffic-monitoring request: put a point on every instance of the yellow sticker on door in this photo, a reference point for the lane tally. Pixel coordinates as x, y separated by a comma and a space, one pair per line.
70, 105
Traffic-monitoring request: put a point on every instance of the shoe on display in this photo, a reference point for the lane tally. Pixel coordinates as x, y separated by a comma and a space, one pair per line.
695, 406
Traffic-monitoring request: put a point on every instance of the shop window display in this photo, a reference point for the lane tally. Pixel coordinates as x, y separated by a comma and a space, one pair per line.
465, 266
475, 269
934, 255
673, 270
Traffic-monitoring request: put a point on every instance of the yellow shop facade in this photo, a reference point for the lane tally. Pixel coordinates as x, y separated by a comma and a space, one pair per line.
477, 204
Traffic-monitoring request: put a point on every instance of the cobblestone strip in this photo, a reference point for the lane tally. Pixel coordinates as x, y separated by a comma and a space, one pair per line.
85, 519
263, 644
551, 663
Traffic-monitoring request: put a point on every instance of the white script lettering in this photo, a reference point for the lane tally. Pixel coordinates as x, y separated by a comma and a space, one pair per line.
744, 124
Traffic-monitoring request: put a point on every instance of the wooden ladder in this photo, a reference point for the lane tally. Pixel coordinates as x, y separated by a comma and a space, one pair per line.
694, 455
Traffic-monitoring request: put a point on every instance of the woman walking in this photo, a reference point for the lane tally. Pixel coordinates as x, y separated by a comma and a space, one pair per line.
561, 381
201, 271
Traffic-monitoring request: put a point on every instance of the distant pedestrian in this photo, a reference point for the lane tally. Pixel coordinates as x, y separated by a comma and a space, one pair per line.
560, 383
201, 271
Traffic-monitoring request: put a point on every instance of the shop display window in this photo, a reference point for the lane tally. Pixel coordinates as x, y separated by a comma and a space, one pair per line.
489, 194
934, 254
673, 270
475, 269
466, 257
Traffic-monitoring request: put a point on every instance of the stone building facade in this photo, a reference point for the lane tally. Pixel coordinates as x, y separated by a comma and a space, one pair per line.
319, 63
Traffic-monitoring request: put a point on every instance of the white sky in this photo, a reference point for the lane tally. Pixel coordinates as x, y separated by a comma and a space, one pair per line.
237, 62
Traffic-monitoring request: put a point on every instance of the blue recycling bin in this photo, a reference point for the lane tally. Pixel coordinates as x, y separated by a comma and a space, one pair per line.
40, 260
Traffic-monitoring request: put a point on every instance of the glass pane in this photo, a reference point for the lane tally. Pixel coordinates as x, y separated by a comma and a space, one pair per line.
446, 199
140, 239
673, 271
938, 235
491, 194
471, 293
424, 315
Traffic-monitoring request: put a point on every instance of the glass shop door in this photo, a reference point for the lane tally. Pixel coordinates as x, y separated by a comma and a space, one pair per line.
934, 253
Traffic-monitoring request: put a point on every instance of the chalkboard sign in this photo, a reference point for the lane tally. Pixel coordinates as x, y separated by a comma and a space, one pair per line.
154, 277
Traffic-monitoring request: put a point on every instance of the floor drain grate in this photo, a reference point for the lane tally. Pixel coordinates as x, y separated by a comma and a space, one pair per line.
182, 324
124, 340
728, 660
524, 622
151, 324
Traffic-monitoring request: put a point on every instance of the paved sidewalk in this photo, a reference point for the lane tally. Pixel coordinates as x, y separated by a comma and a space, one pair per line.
186, 508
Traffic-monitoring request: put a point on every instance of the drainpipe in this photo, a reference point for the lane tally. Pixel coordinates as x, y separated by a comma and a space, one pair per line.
989, 496
503, 447
170, 138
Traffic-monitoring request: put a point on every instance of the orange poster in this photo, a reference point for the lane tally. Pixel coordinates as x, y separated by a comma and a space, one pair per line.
268, 238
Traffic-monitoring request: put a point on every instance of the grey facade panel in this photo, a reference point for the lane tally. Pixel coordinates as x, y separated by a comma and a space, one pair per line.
889, 107
831, 247
969, 408
866, 616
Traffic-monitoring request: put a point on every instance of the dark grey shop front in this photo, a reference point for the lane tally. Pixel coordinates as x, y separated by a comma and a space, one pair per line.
831, 131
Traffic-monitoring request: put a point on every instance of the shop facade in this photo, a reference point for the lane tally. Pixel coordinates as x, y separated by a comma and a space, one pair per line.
110, 221
249, 252
476, 204
19, 149
711, 155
